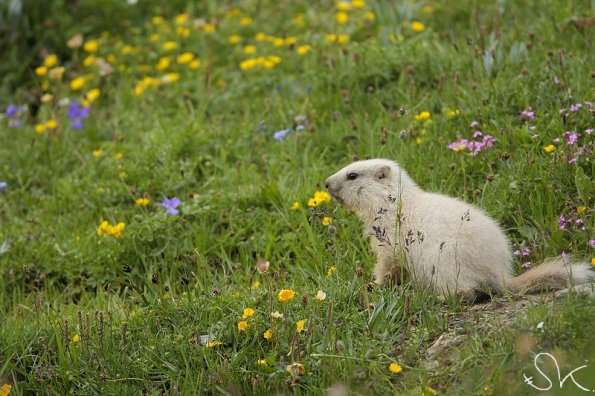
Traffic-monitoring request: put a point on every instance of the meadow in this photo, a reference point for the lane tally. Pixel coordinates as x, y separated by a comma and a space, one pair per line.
163, 222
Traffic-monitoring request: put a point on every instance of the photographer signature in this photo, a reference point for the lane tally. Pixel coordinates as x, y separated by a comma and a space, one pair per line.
529, 380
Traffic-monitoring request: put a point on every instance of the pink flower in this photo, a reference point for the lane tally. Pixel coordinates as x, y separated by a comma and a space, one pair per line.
575, 107
570, 137
528, 115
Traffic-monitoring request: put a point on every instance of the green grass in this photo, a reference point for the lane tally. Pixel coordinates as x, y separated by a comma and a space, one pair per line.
138, 304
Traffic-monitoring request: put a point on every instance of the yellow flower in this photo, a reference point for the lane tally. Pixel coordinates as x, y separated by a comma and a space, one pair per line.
341, 17
395, 368
184, 58
593, 260
208, 28
56, 73
234, 39
300, 325
40, 128
320, 295
76, 338
171, 78
51, 124
154, 37
319, 198
417, 26
250, 49
295, 369
245, 21
157, 20
162, 63
260, 36
5, 389
50, 60
331, 270
424, 115
278, 42
291, 40
452, 113
195, 64
370, 16
92, 94
255, 285
337, 38
122, 175
298, 20
242, 325
428, 391
286, 295
127, 49
142, 201
46, 98
181, 19
91, 46
268, 334
247, 313
358, 3
97, 153
427, 9
212, 344
77, 83
262, 362
343, 6
303, 49
581, 209
247, 64
183, 31
418, 141
549, 149
89, 60
111, 59
41, 71
327, 220
295, 205
170, 45
277, 315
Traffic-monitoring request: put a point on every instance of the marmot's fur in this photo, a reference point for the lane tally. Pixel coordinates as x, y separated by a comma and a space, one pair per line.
439, 242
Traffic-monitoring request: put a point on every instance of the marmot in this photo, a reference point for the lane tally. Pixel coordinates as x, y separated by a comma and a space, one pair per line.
439, 242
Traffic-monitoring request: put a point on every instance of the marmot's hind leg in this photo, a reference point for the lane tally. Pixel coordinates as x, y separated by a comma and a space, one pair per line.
387, 268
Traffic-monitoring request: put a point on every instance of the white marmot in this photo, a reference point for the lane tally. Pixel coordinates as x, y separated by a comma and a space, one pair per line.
439, 242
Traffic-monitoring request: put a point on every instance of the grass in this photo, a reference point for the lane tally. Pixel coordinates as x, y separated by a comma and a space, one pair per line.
134, 314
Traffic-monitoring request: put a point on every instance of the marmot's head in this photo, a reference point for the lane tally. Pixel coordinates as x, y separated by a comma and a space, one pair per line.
365, 186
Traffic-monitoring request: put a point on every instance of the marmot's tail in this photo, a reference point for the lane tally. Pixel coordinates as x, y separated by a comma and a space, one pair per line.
553, 275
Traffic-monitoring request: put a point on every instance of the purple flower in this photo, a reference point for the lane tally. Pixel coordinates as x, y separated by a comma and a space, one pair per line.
527, 265
477, 134
526, 252
282, 134
77, 114
575, 107
589, 131
171, 205
591, 242
528, 115
573, 160
589, 104
563, 112
13, 112
580, 224
562, 222
474, 124
570, 137
565, 257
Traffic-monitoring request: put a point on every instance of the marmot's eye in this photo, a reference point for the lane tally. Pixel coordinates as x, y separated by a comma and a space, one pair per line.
352, 176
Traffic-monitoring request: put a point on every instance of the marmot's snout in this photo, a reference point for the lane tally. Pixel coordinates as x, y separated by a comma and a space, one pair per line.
332, 188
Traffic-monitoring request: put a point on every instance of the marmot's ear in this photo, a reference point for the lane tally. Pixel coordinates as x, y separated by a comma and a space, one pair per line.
383, 172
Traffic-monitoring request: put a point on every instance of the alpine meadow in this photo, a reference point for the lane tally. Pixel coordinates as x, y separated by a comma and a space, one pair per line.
164, 223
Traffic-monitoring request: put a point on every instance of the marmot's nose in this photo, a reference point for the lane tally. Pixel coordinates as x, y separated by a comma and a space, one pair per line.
327, 183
